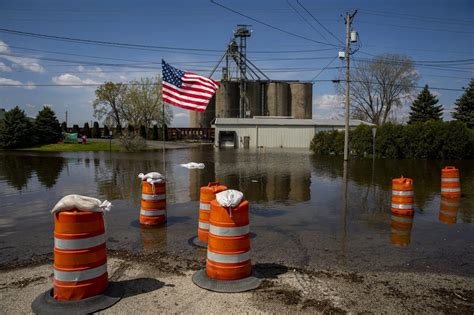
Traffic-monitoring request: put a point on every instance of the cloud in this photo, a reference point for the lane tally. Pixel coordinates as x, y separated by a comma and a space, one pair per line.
94, 71
28, 63
328, 101
27, 85
70, 79
4, 68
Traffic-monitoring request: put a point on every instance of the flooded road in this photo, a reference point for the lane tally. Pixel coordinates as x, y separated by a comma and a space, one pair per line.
302, 212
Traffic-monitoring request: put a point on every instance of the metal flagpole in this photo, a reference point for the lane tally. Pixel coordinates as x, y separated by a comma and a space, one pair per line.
163, 129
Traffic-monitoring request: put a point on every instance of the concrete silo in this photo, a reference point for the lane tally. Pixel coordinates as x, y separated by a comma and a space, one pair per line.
301, 100
278, 99
256, 97
227, 100
203, 119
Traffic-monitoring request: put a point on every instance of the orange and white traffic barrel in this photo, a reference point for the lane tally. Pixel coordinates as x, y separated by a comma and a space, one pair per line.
450, 184
228, 250
80, 278
228, 263
448, 210
402, 196
401, 226
208, 194
153, 203
80, 259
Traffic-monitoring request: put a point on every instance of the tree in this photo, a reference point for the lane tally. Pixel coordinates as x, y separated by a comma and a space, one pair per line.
424, 107
75, 129
464, 110
15, 129
47, 128
63, 126
143, 104
96, 130
154, 135
131, 130
87, 130
109, 103
143, 132
106, 131
380, 85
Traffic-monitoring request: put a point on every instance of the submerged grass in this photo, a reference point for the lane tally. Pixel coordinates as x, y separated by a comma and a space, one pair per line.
74, 147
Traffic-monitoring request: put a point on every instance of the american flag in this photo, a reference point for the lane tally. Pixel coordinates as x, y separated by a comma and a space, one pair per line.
186, 89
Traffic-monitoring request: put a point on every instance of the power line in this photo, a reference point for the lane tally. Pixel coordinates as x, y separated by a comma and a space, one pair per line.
326, 67
417, 17
398, 85
271, 26
304, 19
418, 28
320, 24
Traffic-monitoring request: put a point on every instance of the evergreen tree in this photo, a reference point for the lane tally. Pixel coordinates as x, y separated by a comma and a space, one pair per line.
143, 132
424, 108
63, 126
75, 129
106, 131
47, 128
96, 130
154, 135
464, 110
87, 130
15, 129
131, 130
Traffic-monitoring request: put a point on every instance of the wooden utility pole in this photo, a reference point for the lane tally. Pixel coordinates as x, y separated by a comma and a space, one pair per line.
347, 53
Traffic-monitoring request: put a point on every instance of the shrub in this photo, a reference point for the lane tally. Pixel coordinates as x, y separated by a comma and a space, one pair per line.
428, 140
133, 143
143, 132
87, 130
63, 126
75, 129
106, 131
154, 135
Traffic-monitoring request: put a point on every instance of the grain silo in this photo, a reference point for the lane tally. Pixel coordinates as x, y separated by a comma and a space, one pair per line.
227, 100
257, 97
203, 119
301, 100
278, 99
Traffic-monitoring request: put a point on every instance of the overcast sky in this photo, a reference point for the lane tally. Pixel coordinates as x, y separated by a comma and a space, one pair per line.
424, 30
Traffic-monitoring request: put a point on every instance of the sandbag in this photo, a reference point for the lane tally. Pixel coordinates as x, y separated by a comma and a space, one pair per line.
152, 177
193, 165
82, 203
229, 198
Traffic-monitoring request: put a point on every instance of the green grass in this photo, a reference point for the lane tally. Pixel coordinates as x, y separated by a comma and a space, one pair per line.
73, 147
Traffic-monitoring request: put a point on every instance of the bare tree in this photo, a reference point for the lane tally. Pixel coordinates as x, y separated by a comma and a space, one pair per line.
143, 104
109, 102
380, 85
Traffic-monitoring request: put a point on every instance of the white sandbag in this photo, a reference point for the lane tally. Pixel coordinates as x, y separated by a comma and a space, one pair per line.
82, 203
152, 177
193, 165
229, 198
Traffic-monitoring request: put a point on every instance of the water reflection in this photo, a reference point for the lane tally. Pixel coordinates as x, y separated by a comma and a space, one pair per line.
153, 238
448, 210
400, 233
18, 169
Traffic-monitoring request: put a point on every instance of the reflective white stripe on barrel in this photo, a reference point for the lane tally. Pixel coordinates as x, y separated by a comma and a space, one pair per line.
450, 180
402, 206
449, 213
402, 192
228, 258
404, 232
80, 243
450, 189
72, 276
204, 206
203, 226
153, 197
152, 213
231, 231
402, 219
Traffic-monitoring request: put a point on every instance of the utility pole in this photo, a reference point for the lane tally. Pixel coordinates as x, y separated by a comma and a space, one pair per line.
66, 119
349, 18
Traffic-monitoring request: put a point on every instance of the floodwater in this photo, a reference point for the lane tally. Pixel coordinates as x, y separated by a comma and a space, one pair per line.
304, 211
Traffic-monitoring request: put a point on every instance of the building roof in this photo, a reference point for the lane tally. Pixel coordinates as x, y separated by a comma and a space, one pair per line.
286, 121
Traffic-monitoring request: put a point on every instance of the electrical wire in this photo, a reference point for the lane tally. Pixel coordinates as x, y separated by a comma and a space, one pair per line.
326, 67
304, 19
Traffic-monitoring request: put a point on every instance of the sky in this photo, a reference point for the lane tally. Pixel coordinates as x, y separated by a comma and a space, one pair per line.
193, 35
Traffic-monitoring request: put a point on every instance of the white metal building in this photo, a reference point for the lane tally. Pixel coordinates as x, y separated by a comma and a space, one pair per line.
273, 132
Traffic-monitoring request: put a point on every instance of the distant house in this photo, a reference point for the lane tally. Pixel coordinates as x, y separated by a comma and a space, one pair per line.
273, 132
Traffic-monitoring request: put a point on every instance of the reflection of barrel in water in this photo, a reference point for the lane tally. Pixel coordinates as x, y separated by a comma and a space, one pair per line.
153, 238
401, 225
448, 210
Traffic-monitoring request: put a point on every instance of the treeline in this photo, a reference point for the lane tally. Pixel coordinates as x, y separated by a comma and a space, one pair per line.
19, 131
421, 140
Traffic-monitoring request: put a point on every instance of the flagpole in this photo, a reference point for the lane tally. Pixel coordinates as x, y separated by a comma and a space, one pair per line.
163, 127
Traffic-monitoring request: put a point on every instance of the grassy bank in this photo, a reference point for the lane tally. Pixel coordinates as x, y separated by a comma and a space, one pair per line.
73, 147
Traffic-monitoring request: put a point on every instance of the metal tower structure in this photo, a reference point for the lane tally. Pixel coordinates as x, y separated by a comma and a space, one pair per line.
236, 52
